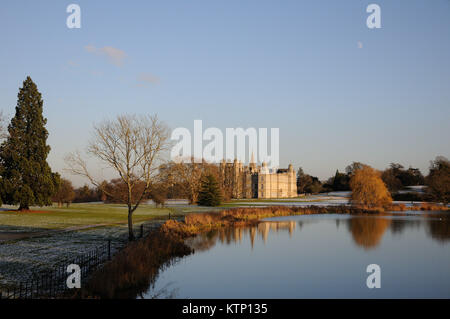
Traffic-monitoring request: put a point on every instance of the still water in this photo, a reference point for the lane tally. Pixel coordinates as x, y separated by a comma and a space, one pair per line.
316, 256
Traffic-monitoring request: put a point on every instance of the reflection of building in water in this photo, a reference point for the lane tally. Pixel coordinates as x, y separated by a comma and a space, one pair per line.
230, 234
235, 234
252, 235
265, 227
367, 231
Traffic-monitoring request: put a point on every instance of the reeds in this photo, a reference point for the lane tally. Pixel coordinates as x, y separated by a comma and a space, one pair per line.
240, 215
430, 206
194, 223
134, 269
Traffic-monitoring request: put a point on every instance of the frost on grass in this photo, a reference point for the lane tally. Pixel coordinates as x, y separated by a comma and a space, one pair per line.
24, 259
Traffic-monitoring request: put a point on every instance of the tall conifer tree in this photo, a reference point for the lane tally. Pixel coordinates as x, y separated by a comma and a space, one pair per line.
26, 178
210, 194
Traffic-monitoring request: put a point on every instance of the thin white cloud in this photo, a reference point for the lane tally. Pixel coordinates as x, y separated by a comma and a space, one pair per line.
114, 55
145, 78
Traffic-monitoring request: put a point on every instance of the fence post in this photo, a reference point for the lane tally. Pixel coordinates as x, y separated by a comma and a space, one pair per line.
142, 230
169, 215
109, 249
51, 284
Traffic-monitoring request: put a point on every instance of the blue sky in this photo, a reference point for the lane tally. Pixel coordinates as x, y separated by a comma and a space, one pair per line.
338, 91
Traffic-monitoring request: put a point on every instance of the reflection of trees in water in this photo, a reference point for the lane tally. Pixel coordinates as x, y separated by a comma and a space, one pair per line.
399, 225
367, 231
439, 228
236, 234
204, 241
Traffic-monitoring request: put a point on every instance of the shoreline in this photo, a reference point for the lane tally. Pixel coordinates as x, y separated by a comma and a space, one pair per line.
133, 269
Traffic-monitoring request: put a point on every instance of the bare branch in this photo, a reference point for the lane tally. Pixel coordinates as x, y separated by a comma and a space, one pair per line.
131, 145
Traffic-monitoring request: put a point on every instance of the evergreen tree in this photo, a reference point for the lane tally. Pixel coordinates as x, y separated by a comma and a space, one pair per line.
210, 193
26, 178
340, 182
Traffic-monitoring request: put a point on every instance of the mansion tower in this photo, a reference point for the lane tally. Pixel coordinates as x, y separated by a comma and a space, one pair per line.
254, 181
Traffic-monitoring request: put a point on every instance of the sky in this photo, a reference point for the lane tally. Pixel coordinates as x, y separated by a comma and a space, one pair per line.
338, 91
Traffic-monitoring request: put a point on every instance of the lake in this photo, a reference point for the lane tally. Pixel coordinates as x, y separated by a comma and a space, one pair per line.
316, 256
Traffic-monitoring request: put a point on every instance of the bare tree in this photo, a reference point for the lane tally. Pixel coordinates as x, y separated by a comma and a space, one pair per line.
65, 193
132, 146
189, 173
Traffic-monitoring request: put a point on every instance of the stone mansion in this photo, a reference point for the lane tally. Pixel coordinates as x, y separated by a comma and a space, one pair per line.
254, 181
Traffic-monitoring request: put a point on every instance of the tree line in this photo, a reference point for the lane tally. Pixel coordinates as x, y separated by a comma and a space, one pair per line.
135, 148
396, 178
174, 180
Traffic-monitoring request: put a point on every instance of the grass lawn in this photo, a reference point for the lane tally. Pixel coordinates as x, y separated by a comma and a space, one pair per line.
24, 256
77, 215
274, 201
84, 214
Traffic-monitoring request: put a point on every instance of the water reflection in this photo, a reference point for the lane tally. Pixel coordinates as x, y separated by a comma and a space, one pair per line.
437, 225
439, 228
321, 256
367, 231
235, 234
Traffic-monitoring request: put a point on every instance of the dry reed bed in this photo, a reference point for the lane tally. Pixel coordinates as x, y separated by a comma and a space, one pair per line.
247, 215
133, 269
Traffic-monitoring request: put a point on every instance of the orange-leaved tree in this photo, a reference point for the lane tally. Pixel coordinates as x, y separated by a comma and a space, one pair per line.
368, 189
